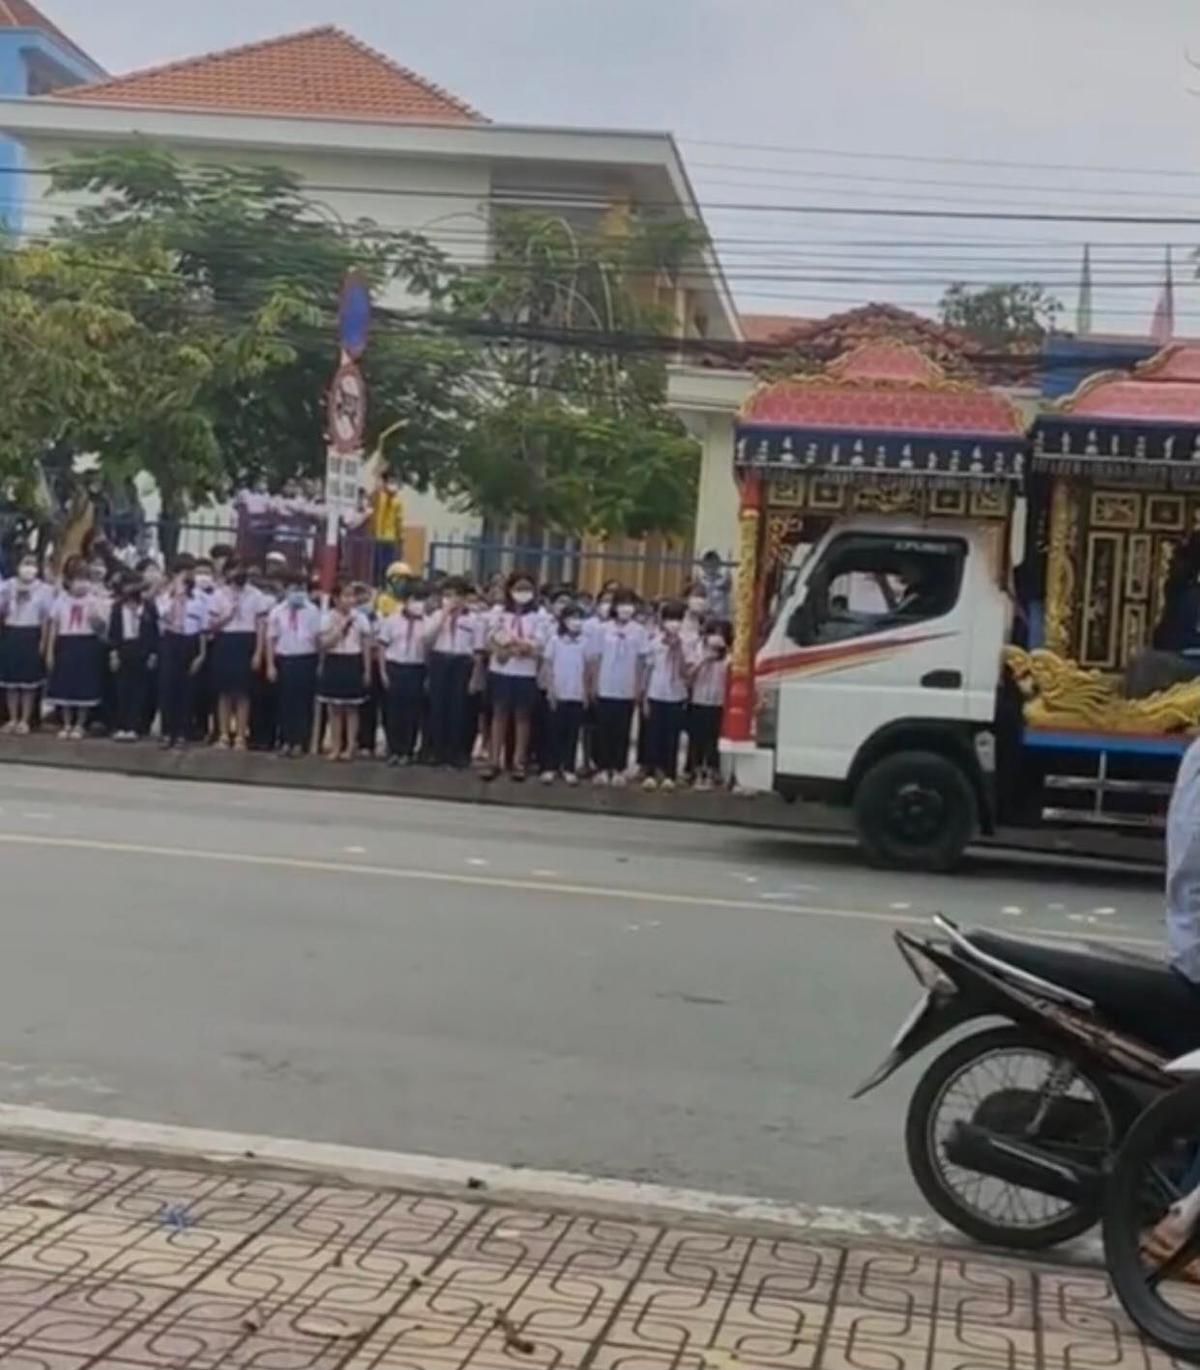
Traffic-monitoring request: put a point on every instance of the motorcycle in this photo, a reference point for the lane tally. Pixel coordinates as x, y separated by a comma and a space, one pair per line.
1010, 1132
1152, 1216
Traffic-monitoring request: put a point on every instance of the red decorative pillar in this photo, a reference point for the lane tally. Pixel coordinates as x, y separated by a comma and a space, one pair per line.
738, 724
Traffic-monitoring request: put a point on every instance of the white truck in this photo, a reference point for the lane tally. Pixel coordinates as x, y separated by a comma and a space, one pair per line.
882, 669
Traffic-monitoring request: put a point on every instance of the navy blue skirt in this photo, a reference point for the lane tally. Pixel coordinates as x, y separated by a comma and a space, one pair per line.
21, 664
515, 694
341, 680
77, 680
232, 662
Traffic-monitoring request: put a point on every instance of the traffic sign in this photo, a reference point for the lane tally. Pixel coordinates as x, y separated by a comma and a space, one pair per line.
354, 316
347, 409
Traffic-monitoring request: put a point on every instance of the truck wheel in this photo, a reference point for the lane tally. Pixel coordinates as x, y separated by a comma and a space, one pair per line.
915, 809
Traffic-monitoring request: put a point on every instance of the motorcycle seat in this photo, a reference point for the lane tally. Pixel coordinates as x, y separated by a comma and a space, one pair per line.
1137, 994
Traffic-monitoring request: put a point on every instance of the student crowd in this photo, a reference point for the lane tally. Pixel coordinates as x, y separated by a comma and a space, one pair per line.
241, 655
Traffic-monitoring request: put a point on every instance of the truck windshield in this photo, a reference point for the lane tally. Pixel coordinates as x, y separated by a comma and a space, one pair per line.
866, 583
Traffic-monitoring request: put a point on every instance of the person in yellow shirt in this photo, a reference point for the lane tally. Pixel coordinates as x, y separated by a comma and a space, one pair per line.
386, 523
397, 580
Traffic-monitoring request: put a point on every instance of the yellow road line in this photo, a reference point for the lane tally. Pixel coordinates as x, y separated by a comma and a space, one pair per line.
497, 882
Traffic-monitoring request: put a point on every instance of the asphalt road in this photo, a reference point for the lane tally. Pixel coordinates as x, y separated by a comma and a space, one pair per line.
647, 1000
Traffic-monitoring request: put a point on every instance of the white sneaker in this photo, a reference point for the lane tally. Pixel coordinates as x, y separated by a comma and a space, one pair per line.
9, 727
601, 778
650, 784
547, 777
571, 778
620, 780
668, 787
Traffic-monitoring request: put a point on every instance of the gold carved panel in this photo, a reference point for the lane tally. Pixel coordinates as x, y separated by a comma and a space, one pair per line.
1101, 599
787, 492
1165, 513
1134, 631
1139, 566
1115, 509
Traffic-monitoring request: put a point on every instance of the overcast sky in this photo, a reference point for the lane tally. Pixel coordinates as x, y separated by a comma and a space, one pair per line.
1064, 84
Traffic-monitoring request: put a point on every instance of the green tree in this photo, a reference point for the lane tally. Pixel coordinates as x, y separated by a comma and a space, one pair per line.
101, 351
573, 433
1016, 315
246, 243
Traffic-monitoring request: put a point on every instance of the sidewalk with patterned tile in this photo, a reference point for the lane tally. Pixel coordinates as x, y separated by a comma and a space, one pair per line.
114, 1265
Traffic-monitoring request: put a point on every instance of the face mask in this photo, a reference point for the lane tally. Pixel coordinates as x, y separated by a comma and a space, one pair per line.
559, 606
297, 598
415, 608
79, 588
625, 612
716, 644
574, 626
27, 574
204, 581
522, 597
671, 627
697, 604
398, 587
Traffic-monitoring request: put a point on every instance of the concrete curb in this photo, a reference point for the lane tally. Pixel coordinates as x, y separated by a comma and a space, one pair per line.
324, 1163
764, 813
163, 1144
415, 782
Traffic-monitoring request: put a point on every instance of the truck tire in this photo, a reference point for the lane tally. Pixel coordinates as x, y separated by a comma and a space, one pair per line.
915, 809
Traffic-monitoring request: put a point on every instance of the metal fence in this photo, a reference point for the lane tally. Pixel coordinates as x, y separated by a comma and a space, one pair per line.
653, 571
653, 568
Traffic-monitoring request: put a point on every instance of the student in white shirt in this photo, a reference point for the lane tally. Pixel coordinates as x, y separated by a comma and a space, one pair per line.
515, 643
403, 647
256, 520
709, 678
615, 653
345, 678
182, 624
565, 674
133, 652
696, 617
74, 651
451, 634
293, 649
668, 670
237, 625
25, 604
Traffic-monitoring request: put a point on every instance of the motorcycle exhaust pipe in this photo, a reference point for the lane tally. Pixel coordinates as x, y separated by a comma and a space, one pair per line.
1023, 1163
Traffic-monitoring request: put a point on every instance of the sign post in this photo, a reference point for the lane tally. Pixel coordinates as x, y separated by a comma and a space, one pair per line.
345, 419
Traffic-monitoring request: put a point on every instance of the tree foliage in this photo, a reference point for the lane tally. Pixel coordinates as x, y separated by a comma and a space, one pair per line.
573, 433
183, 322
1015, 315
245, 243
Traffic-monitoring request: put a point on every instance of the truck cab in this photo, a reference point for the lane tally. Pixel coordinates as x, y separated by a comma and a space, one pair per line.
885, 651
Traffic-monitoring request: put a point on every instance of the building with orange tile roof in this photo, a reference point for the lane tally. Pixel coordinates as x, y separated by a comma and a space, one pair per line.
374, 140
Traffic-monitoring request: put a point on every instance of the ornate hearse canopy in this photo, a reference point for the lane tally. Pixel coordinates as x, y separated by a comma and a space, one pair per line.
883, 408
1125, 424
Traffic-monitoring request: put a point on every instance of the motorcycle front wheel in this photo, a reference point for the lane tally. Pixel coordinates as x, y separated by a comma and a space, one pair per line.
1000, 1079
1155, 1269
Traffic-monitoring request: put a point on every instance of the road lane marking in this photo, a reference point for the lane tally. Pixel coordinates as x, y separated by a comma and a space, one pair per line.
495, 882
